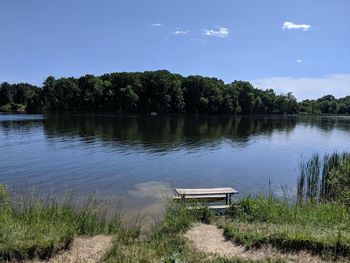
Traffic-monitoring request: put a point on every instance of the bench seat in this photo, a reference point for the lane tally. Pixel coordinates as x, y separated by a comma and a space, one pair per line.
206, 195
206, 191
210, 207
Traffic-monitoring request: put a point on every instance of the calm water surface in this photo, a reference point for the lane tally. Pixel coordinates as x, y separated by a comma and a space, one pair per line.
139, 159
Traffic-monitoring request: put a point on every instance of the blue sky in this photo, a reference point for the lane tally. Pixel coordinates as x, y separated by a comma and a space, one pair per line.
301, 46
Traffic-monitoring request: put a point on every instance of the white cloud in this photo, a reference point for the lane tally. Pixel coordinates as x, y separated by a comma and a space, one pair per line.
157, 24
289, 26
308, 88
181, 32
299, 61
218, 32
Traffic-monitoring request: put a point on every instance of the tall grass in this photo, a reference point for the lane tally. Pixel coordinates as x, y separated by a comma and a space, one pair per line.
32, 228
322, 228
319, 221
164, 240
316, 180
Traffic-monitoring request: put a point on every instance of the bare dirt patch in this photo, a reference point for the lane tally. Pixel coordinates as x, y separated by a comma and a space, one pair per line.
83, 250
210, 239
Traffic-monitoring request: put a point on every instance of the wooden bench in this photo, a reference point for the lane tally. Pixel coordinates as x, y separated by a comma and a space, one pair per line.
206, 195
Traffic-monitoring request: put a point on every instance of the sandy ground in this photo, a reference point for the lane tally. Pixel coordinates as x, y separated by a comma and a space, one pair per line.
206, 238
210, 239
83, 250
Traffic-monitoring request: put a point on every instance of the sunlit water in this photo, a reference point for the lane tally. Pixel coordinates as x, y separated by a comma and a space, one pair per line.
140, 159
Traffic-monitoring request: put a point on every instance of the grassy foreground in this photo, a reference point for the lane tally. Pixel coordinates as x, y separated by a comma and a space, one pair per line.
30, 229
165, 242
34, 230
322, 228
319, 220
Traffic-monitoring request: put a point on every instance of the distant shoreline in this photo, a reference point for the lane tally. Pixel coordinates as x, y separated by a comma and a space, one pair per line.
159, 92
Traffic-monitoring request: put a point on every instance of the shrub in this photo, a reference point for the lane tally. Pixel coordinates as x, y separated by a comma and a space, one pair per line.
6, 108
204, 214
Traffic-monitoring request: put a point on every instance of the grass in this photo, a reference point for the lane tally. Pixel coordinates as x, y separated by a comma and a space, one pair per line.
30, 228
322, 228
165, 242
318, 179
240, 260
318, 222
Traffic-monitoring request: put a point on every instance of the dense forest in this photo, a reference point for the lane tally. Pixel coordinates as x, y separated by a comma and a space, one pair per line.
158, 91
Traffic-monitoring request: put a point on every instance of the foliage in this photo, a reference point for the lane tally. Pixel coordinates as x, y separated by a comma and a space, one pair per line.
204, 214
171, 259
20, 97
246, 260
6, 108
340, 182
327, 104
159, 91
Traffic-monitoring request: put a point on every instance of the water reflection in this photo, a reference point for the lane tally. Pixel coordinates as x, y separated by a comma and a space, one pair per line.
164, 133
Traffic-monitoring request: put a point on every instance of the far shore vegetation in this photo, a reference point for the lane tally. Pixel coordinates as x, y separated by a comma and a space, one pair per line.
316, 220
161, 92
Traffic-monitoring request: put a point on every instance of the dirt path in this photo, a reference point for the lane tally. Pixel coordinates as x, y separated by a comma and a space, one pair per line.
210, 239
83, 250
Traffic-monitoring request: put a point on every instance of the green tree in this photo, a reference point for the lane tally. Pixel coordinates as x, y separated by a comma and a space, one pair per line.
286, 104
230, 102
246, 96
327, 104
91, 91
62, 94
6, 94
161, 92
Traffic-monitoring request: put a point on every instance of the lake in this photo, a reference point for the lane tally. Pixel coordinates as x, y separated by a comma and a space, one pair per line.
138, 159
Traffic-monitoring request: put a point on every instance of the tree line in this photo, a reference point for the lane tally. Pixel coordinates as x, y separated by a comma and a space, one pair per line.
159, 91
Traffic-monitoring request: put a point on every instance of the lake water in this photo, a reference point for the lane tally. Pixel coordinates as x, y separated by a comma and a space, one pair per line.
139, 159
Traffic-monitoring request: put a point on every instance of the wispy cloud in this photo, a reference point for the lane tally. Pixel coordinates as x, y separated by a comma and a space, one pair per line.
299, 61
217, 32
308, 88
289, 26
156, 24
181, 32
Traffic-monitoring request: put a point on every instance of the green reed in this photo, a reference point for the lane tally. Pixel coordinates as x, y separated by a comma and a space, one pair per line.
316, 181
